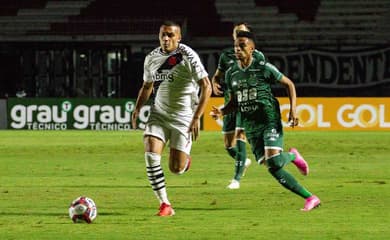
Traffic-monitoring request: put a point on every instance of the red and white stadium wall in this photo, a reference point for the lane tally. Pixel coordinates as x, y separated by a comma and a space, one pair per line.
115, 114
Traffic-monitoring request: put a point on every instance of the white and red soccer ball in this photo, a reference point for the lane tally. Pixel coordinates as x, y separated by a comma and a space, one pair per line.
83, 209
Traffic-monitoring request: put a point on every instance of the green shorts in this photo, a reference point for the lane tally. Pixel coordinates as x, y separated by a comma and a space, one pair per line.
229, 123
264, 139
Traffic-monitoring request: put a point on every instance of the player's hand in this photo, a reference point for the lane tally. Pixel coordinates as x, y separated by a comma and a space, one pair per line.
134, 117
217, 89
194, 129
293, 121
215, 112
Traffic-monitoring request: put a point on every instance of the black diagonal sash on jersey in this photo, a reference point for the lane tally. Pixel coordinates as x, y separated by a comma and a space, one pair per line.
169, 63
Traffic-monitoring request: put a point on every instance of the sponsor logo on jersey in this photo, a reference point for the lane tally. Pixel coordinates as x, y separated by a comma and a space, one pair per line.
249, 108
162, 76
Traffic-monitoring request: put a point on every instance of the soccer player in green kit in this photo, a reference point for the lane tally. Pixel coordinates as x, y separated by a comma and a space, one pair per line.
234, 136
249, 84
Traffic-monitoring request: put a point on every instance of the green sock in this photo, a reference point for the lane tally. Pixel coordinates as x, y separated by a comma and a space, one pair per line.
240, 159
284, 177
288, 157
232, 151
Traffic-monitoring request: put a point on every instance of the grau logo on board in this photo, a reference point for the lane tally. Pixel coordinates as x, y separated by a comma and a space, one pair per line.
71, 115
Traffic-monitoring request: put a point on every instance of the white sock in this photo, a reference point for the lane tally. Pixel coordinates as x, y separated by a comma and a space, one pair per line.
156, 176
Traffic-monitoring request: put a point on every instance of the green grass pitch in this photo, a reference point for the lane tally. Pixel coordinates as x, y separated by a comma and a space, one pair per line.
42, 172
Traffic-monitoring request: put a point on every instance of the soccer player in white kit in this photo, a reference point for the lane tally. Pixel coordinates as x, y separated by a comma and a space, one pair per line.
176, 77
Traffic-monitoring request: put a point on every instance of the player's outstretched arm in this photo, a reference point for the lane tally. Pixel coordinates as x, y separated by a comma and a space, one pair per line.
292, 95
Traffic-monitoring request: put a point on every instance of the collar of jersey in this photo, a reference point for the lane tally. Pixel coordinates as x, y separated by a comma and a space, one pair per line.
171, 53
244, 69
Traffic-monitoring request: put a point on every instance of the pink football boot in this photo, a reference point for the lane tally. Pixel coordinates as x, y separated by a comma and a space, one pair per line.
299, 162
311, 203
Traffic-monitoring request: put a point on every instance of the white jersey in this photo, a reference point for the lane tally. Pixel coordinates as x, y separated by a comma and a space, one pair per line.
175, 76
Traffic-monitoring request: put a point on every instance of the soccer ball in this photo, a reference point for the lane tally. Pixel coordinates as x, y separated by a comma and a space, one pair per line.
83, 209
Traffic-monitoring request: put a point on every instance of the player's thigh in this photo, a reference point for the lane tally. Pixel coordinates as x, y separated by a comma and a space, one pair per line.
240, 130
256, 142
155, 135
229, 139
273, 141
153, 144
229, 130
240, 134
180, 144
180, 140
177, 160
229, 123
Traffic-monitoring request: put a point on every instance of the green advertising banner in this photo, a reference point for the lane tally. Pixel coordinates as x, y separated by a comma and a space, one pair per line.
63, 114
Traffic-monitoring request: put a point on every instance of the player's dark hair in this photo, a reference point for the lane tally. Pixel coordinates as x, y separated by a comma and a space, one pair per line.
170, 23
247, 34
248, 26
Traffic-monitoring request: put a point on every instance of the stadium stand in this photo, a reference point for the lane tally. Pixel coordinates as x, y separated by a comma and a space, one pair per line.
102, 17
73, 44
89, 48
308, 22
277, 22
123, 16
11, 7
21, 17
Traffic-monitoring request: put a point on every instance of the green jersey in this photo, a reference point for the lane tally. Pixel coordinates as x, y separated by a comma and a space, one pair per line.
252, 94
227, 59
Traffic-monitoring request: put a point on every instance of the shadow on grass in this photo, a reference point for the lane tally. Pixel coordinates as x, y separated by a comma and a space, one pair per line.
56, 214
206, 209
127, 186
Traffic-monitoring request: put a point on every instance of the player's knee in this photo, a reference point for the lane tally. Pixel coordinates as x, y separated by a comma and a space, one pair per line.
261, 160
177, 166
181, 166
174, 168
177, 169
240, 134
274, 163
232, 151
229, 140
152, 159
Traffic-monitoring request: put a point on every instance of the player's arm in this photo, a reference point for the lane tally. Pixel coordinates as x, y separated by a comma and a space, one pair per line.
143, 96
205, 93
229, 107
292, 95
216, 82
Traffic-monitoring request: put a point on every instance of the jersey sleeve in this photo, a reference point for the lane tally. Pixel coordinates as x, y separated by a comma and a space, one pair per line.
147, 77
222, 63
228, 81
272, 73
230, 94
226, 59
198, 69
259, 55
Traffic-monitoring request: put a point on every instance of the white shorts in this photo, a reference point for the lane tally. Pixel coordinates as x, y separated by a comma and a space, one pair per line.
169, 130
